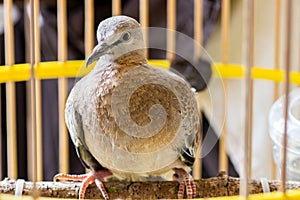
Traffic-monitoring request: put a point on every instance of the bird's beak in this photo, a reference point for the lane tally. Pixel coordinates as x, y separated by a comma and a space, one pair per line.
98, 51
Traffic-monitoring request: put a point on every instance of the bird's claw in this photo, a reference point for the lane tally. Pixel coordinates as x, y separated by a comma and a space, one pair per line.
90, 179
187, 182
86, 179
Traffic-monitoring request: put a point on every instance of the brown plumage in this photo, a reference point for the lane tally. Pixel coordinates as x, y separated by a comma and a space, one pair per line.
136, 121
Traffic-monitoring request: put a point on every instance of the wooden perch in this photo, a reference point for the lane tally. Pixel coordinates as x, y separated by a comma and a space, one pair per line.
221, 185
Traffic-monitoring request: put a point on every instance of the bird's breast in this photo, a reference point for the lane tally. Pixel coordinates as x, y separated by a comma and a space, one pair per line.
140, 115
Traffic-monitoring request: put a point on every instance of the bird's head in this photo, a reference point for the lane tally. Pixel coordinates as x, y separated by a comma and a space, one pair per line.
118, 37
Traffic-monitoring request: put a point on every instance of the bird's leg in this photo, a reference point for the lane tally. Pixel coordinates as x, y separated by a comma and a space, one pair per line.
87, 179
185, 181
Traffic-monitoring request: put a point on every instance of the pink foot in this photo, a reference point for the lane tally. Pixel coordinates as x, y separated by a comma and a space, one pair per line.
185, 181
87, 179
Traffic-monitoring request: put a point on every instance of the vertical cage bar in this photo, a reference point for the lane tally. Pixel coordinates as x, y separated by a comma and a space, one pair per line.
225, 20
276, 64
171, 27
62, 86
144, 20
116, 7
39, 134
38, 101
198, 27
299, 45
277, 43
27, 32
287, 67
198, 37
30, 129
251, 82
248, 63
33, 149
89, 31
10, 93
1, 134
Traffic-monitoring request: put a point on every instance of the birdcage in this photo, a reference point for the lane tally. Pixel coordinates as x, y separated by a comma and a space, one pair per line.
237, 75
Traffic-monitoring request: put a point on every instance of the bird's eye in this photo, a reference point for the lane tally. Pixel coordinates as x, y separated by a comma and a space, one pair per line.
126, 36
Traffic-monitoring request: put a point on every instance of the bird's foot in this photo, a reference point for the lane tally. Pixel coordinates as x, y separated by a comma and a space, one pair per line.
185, 181
87, 179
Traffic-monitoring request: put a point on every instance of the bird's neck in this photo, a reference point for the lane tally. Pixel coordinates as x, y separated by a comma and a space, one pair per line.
131, 59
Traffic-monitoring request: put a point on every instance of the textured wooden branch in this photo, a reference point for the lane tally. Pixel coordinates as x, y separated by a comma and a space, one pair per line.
222, 185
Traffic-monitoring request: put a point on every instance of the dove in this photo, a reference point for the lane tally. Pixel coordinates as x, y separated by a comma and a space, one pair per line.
129, 120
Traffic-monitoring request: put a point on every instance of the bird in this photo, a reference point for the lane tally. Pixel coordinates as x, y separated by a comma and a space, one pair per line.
130, 120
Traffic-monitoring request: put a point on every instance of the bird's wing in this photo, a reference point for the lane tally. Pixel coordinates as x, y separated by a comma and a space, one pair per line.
74, 123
